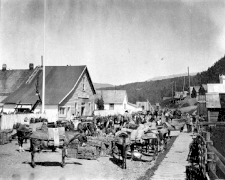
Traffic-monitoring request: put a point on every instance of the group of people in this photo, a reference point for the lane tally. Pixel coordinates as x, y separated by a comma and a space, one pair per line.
193, 122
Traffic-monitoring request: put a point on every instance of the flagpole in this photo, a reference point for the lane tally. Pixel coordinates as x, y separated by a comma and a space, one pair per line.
43, 66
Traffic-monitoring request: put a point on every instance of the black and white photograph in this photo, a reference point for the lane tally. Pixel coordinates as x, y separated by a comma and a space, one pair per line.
112, 89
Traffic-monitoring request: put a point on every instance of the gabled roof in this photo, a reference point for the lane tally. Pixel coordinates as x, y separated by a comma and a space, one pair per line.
60, 81
204, 86
112, 96
198, 87
133, 105
10, 80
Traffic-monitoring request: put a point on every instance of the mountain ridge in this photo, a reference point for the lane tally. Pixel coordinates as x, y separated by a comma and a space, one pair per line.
170, 76
155, 90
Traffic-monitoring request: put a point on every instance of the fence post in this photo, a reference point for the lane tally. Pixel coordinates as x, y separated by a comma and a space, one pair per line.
211, 155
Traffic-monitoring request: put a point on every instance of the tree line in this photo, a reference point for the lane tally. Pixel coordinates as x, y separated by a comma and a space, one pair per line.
154, 91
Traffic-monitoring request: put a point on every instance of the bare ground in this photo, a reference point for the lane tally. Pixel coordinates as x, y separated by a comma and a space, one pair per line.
16, 166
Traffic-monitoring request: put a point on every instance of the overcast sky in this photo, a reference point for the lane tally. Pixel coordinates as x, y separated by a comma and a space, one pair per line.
120, 41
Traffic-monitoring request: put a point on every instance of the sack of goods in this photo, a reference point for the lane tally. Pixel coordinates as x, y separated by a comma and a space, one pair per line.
87, 152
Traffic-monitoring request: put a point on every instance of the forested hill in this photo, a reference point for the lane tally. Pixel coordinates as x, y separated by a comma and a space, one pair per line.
155, 90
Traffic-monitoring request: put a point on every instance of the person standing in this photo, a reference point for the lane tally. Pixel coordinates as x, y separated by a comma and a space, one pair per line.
188, 123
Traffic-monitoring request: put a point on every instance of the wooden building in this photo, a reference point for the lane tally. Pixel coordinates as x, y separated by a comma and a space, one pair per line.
11, 80
68, 90
113, 99
215, 100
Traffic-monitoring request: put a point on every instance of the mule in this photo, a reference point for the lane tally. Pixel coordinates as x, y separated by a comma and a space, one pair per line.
88, 128
23, 133
41, 143
120, 146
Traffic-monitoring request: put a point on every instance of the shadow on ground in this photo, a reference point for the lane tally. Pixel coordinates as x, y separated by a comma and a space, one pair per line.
52, 163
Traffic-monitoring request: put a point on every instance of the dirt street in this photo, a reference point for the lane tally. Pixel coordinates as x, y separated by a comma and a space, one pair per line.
16, 166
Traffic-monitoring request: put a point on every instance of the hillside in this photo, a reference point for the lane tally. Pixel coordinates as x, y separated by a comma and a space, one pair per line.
99, 85
155, 90
170, 76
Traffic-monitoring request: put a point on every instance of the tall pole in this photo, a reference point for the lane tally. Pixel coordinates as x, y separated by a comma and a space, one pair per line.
184, 85
172, 90
175, 87
189, 83
43, 66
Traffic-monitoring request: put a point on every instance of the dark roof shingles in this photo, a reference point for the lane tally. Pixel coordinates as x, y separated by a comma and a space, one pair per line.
10, 80
112, 96
59, 82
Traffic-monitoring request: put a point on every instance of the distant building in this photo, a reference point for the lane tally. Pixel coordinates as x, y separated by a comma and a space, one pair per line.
145, 106
215, 100
113, 99
133, 107
197, 88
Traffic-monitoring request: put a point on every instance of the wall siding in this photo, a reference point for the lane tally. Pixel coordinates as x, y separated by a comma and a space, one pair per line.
76, 97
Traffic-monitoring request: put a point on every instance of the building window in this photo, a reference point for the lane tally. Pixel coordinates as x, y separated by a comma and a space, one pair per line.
111, 106
83, 84
82, 108
62, 111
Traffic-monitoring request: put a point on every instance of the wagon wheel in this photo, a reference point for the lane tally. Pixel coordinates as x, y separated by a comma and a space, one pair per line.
124, 156
156, 148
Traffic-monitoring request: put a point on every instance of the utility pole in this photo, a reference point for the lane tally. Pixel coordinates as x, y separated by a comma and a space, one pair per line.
175, 88
189, 83
184, 85
172, 89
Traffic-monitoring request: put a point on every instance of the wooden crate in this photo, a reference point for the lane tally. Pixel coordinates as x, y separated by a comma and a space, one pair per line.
72, 152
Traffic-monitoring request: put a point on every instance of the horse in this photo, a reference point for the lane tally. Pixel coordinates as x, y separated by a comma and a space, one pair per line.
24, 131
39, 142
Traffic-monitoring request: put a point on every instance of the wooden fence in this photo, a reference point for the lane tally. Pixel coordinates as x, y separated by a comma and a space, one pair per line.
8, 120
210, 158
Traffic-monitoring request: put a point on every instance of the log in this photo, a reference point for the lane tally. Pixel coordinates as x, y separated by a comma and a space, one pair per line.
211, 123
220, 156
220, 165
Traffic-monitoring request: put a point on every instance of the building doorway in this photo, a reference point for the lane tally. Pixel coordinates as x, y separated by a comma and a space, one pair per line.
82, 109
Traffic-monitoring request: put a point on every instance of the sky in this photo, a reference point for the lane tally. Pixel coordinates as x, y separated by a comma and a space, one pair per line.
120, 41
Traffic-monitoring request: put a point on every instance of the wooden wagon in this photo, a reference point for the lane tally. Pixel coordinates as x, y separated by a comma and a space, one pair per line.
148, 145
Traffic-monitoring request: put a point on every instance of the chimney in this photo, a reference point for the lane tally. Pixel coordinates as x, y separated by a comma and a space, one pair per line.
4, 67
31, 66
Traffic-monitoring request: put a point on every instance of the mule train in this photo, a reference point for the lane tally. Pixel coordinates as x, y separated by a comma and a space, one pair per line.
128, 138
